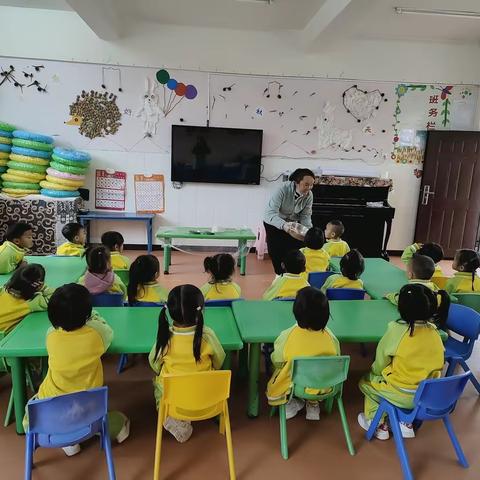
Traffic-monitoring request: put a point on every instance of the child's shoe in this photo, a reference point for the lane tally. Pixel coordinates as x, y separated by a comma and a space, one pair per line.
313, 411
382, 430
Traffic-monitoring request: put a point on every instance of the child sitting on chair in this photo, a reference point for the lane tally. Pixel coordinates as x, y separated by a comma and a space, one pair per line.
18, 239
317, 259
410, 351
352, 266
430, 249
142, 284
99, 277
76, 236
308, 338
288, 284
335, 246
220, 286
465, 279
114, 242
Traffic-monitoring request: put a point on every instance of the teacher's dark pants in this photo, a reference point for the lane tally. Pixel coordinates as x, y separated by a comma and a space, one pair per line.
279, 243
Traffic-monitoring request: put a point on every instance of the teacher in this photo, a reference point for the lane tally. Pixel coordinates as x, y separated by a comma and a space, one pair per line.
292, 202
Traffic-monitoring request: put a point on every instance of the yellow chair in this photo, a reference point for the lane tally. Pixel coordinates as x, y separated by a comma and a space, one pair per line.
440, 282
193, 397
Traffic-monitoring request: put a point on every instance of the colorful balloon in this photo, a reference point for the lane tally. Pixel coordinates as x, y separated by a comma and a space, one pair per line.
172, 84
163, 77
180, 89
190, 92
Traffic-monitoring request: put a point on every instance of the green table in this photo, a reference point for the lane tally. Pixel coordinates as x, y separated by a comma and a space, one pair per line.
167, 234
135, 330
379, 278
262, 321
59, 270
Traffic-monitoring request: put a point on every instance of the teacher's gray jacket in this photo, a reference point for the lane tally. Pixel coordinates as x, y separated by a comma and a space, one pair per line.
284, 207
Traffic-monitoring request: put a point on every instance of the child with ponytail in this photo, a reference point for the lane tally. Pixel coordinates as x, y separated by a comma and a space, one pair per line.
465, 280
142, 283
186, 346
220, 286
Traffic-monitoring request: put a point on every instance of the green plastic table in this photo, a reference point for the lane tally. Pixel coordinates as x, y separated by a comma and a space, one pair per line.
135, 330
59, 270
167, 234
262, 321
379, 278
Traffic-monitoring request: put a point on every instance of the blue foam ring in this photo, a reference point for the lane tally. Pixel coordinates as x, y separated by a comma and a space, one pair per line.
36, 137
5, 148
4, 133
74, 155
30, 152
59, 193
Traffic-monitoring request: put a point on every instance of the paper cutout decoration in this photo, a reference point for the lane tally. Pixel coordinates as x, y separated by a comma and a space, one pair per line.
110, 190
150, 112
362, 104
12, 77
273, 90
330, 136
149, 193
178, 91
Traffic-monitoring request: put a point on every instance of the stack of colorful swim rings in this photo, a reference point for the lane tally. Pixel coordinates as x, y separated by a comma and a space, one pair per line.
66, 173
29, 160
5, 144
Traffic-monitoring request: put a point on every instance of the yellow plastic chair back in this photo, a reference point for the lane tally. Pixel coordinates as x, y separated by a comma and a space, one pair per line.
440, 282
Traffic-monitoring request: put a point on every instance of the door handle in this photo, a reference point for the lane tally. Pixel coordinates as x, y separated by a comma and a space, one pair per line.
426, 194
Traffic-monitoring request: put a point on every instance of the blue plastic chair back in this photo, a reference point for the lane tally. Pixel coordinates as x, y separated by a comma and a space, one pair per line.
463, 321
317, 279
224, 302
107, 300
345, 294
147, 304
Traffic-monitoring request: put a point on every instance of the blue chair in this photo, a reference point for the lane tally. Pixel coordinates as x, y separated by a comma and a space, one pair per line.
463, 321
317, 279
67, 420
107, 300
345, 294
222, 303
284, 299
434, 400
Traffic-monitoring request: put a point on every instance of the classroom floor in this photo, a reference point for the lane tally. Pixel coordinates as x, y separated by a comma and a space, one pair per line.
317, 449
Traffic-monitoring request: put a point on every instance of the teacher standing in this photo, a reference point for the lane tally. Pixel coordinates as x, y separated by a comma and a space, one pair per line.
292, 202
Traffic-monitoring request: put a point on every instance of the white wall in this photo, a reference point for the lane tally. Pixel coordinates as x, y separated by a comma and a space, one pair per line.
63, 36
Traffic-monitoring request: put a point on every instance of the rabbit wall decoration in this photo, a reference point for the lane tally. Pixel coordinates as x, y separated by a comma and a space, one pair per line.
150, 111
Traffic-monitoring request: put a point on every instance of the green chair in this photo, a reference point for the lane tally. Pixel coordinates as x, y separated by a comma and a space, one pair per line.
123, 275
318, 373
471, 300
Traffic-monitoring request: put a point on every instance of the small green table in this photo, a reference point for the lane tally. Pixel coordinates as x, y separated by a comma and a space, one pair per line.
135, 330
379, 278
59, 270
167, 234
262, 321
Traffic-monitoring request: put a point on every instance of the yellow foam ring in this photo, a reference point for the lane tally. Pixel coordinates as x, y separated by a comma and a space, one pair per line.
31, 160
3, 162
19, 191
6, 177
36, 177
5, 140
4, 155
64, 181
56, 186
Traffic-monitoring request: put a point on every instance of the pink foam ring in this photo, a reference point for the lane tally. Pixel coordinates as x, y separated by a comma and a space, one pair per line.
190, 92
172, 84
67, 176
180, 89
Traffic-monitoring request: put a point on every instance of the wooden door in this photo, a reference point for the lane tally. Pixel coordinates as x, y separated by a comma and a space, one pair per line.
449, 205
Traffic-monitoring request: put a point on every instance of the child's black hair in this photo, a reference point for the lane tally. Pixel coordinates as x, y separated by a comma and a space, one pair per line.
422, 267
311, 309
416, 302
112, 240
338, 227
16, 230
26, 281
299, 173
352, 264
432, 250
315, 238
294, 262
70, 307
470, 261
185, 304
97, 259
70, 230
220, 267
144, 269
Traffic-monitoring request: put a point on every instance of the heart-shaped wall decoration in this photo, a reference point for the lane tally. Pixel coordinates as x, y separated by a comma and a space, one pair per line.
362, 104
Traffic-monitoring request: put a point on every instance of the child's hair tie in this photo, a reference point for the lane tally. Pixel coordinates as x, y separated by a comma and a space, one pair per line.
199, 308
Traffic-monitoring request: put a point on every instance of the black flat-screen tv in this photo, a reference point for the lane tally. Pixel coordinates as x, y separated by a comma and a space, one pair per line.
216, 155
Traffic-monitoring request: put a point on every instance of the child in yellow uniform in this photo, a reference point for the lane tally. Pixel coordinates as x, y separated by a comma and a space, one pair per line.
185, 347
419, 270
308, 338
76, 236
465, 280
430, 249
142, 283
335, 246
99, 277
352, 266
288, 284
220, 286
18, 239
24, 293
75, 344
114, 242
410, 351
317, 259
